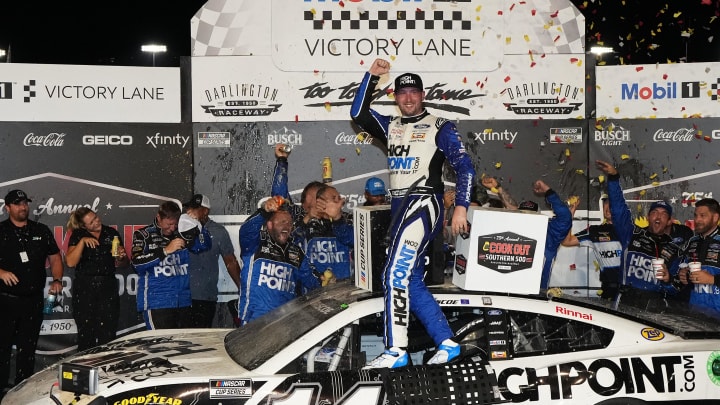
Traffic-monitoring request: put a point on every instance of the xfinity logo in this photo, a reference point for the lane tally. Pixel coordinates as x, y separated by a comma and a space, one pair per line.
488, 135
107, 140
175, 140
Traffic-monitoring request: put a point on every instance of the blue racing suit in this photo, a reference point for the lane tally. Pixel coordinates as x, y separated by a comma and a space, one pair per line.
640, 248
557, 230
271, 273
163, 279
705, 250
327, 244
417, 148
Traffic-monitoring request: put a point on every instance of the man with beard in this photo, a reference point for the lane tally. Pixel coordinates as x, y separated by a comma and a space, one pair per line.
321, 229
704, 247
641, 285
25, 245
271, 264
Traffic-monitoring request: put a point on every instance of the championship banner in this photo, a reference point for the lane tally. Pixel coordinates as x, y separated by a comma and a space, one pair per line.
121, 171
253, 89
62, 93
680, 90
415, 35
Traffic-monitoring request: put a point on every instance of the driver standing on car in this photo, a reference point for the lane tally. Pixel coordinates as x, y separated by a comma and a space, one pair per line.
418, 144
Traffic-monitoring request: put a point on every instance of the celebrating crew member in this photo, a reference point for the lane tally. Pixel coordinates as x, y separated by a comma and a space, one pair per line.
96, 303
161, 258
418, 143
642, 285
704, 247
271, 264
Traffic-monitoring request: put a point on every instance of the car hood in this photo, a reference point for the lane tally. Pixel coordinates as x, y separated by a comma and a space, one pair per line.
144, 359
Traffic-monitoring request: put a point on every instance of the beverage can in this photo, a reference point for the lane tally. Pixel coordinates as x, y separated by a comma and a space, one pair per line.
287, 148
49, 304
327, 170
115, 249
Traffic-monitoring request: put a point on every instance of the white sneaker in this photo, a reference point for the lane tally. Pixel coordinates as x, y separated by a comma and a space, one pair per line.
445, 353
390, 358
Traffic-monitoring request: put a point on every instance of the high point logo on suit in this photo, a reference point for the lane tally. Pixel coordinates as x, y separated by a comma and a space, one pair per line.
171, 266
276, 276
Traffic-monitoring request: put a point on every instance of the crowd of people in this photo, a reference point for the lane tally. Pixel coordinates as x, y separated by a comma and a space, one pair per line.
289, 249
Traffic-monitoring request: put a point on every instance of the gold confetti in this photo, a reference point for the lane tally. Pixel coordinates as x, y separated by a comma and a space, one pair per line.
328, 106
642, 222
527, 37
498, 165
357, 150
601, 178
655, 183
624, 157
567, 152
642, 193
654, 175
580, 171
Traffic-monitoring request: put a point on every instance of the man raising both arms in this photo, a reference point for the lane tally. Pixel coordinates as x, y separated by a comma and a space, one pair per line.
418, 143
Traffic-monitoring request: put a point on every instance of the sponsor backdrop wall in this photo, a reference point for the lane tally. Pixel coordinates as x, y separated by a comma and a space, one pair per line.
122, 171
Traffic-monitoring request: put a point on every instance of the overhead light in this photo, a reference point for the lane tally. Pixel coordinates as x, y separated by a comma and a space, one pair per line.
2, 53
599, 50
153, 48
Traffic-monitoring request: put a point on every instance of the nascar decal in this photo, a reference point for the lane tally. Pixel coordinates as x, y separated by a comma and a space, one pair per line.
506, 252
231, 388
665, 375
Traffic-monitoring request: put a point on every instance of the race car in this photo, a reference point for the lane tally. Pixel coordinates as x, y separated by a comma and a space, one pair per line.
515, 348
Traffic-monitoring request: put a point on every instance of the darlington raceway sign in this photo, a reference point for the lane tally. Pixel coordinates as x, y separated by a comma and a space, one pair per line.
441, 34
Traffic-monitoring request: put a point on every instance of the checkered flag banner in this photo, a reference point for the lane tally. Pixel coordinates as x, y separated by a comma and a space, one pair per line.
328, 35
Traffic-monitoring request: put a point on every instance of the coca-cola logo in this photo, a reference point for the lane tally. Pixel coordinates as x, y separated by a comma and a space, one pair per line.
362, 138
51, 139
679, 135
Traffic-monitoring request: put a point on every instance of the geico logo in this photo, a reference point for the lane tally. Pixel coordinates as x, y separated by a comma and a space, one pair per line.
111, 140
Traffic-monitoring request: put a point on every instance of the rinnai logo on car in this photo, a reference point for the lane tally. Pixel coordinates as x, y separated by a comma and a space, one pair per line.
51, 139
572, 313
678, 135
663, 375
107, 140
613, 135
488, 135
659, 91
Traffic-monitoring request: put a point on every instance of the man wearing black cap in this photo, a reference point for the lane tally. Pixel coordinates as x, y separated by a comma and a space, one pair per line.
643, 286
204, 266
418, 144
24, 247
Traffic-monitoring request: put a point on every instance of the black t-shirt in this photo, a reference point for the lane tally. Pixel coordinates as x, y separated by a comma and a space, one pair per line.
38, 243
97, 261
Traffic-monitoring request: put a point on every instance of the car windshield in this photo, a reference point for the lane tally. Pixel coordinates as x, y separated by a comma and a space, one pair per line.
270, 333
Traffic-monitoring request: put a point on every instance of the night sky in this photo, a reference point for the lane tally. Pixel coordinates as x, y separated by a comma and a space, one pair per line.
110, 33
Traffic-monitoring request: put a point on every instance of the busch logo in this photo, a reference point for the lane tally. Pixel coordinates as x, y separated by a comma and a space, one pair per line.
51, 139
612, 136
679, 135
